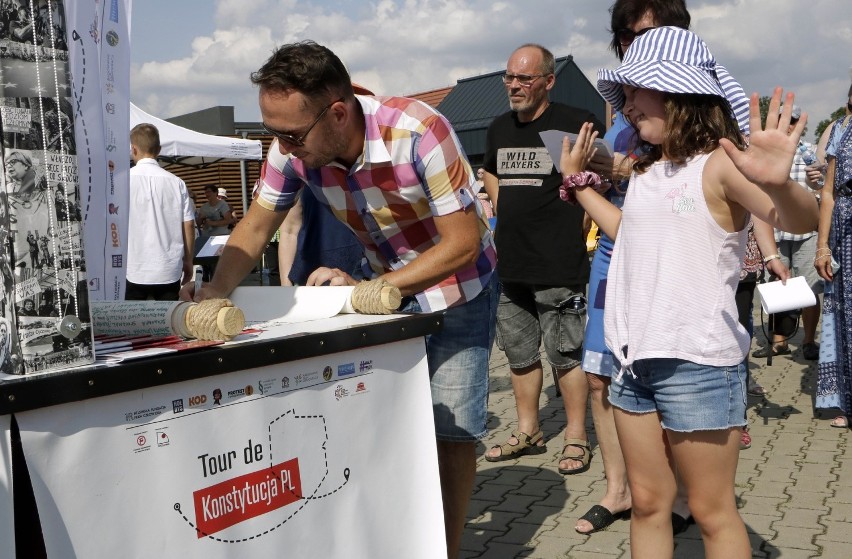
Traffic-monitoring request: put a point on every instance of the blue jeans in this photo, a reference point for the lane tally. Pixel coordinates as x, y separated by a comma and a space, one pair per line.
458, 358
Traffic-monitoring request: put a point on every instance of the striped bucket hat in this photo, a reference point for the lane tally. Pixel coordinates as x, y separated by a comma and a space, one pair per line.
668, 59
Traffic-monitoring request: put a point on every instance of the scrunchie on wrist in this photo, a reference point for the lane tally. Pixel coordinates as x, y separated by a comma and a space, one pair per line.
571, 183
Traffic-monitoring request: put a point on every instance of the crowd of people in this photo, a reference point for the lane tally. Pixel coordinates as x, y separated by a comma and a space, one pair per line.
737, 195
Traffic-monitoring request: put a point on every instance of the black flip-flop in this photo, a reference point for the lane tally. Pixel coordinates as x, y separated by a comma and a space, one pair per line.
601, 518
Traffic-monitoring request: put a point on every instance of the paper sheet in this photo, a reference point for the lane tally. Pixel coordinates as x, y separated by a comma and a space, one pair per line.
291, 304
213, 246
553, 142
776, 297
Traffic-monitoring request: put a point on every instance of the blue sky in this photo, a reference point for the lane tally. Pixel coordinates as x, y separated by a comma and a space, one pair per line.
192, 54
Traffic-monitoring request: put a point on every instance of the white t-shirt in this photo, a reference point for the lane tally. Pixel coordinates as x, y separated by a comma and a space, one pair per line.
159, 206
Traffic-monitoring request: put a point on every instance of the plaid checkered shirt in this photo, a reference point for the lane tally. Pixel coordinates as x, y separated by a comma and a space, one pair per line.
798, 174
412, 169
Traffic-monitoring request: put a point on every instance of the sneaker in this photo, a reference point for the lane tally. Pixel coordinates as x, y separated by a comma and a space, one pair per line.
745, 439
810, 351
777, 349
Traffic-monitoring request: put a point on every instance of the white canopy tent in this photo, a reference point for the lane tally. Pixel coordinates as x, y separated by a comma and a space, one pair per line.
188, 147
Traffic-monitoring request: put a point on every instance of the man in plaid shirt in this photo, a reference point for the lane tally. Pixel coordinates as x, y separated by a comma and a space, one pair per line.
797, 253
393, 171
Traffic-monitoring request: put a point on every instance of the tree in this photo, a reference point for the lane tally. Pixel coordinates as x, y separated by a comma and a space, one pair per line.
839, 113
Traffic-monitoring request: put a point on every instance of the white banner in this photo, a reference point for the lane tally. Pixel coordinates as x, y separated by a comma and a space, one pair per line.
330, 457
7, 522
99, 53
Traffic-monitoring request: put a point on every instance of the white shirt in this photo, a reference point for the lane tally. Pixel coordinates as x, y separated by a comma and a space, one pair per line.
159, 206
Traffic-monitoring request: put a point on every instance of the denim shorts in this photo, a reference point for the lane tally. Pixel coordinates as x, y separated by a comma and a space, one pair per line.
529, 313
688, 396
458, 358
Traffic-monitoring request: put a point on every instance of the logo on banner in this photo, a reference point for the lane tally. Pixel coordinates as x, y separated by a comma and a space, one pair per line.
177, 405
285, 382
361, 388
117, 261
197, 401
95, 284
113, 11
340, 392
113, 232
110, 108
238, 499
142, 443
326, 373
217, 396
162, 438
113, 209
346, 369
112, 38
265, 386
365, 366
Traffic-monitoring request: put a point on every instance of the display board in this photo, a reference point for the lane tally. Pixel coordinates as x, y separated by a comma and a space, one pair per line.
331, 456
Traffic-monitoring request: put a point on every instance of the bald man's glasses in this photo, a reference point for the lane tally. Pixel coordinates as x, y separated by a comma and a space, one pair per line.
292, 139
524, 80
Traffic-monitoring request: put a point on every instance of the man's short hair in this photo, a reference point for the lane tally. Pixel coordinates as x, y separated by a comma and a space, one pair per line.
625, 13
146, 138
548, 64
212, 188
311, 69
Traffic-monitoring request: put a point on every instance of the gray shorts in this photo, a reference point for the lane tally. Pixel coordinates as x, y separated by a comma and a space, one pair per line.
528, 314
798, 256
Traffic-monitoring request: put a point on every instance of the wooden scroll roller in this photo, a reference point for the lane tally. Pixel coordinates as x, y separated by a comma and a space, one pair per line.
214, 319
375, 297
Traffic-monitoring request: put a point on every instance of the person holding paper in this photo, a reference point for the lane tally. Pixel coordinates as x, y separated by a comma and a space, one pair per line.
392, 170
679, 394
544, 264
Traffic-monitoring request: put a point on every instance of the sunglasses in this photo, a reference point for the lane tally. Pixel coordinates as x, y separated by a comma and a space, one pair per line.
626, 36
292, 139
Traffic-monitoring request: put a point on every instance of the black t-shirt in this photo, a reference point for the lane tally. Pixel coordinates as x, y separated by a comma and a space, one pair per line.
539, 237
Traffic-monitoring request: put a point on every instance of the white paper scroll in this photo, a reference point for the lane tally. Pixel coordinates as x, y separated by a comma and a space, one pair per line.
777, 297
291, 304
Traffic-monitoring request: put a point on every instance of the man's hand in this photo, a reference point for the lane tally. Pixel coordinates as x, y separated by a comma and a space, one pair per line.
330, 276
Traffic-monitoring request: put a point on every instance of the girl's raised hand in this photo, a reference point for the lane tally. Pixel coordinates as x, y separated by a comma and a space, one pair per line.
575, 159
769, 155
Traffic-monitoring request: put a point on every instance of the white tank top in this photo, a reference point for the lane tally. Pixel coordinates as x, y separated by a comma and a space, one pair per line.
674, 273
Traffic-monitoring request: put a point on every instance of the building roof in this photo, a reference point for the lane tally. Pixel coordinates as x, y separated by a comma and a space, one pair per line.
432, 97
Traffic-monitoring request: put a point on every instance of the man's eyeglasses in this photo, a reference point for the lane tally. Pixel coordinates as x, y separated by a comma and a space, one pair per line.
292, 139
524, 80
626, 36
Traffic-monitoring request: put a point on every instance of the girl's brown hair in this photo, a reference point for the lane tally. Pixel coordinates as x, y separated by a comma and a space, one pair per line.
694, 124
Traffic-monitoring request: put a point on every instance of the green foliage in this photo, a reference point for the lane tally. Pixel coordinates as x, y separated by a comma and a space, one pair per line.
764, 109
839, 113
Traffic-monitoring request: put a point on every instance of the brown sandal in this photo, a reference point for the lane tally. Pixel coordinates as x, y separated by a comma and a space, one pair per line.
526, 445
584, 456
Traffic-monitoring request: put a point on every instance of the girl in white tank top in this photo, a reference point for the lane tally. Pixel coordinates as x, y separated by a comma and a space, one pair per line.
670, 290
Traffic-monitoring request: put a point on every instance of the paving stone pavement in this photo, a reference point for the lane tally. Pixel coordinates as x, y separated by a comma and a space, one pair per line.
793, 486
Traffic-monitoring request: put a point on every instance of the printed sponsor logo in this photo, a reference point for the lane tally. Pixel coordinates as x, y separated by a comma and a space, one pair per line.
304, 378
112, 38
141, 442
177, 405
197, 401
365, 366
346, 369
113, 11
113, 232
326, 373
265, 386
110, 108
162, 438
113, 209
217, 396
340, 392
238, 499
136, 415
240, 392
117, 262
249, 390
360, 388
285, 382
95, 284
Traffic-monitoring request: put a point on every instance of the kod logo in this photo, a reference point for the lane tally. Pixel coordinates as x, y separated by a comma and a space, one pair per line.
195, 401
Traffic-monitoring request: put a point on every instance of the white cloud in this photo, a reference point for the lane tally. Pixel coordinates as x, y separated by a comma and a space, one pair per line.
406, 46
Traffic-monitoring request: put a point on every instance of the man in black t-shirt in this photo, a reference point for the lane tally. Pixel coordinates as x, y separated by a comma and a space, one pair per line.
542, 260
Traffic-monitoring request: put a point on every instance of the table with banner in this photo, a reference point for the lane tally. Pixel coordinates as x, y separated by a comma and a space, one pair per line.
304, 440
